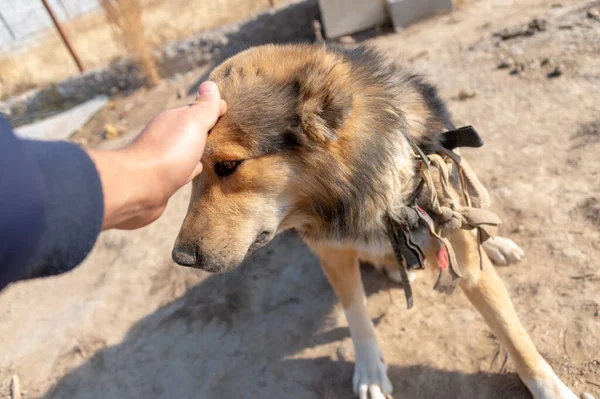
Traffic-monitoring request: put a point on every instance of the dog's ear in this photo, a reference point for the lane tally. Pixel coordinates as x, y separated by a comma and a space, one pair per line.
324, 103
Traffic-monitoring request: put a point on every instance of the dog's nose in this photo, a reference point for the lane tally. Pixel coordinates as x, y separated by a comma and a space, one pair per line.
184, 256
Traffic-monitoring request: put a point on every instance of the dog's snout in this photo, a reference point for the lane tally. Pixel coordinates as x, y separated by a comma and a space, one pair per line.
184, 256
191, 256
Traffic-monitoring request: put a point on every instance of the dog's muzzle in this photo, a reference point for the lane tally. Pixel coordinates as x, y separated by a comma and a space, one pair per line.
184, 256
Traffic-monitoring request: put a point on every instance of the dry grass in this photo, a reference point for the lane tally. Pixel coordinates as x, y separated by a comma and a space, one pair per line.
125, 16
96, 44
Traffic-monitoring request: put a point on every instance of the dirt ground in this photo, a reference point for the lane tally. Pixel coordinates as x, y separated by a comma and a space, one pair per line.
131, 324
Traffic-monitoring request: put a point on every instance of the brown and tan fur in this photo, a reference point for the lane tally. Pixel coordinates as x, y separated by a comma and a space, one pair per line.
317, 140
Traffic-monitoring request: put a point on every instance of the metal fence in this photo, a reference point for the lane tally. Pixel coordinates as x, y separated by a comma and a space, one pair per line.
32, 52
25, 23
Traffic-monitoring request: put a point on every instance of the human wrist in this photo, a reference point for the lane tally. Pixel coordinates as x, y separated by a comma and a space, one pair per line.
125, 186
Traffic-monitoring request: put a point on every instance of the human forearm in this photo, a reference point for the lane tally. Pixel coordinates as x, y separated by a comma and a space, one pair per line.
131, 195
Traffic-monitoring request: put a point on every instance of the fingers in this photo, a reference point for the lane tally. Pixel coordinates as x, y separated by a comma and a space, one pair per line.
196, 172
206, 88
222, 103
222, 107
208, 106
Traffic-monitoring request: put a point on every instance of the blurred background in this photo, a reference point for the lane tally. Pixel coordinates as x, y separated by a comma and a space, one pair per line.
99, 31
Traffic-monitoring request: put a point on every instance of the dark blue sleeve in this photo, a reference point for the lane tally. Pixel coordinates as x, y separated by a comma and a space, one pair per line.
51, 206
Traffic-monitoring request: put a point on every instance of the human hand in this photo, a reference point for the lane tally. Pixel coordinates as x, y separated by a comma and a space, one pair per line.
138, 180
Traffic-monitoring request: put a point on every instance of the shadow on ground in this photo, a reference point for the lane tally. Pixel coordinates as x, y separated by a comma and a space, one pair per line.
246, 334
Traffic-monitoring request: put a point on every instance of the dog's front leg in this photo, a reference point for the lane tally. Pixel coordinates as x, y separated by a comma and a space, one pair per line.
342, 270
487, 293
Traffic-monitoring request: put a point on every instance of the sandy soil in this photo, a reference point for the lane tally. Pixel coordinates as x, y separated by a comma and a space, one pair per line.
131, 324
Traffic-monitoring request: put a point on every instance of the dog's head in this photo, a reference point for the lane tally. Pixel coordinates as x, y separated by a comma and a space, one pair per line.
284, 104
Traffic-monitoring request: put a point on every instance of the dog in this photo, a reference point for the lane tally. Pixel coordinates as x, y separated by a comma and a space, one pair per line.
315, 139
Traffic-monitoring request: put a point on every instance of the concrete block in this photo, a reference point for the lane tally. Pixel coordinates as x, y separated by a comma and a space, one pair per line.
63, 125
405, 12
343, 17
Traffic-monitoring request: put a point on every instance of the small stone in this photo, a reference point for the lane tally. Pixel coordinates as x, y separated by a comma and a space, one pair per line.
97, 76
110, 132
594, 13
544, 61
555, 73
518, 69
317, 28
170, 52
506, 63
532, 64
504, 192
519, 229
537, 25
15, 387
573, 254
183, 47
466, 94
180, 94
586, 395
347, 40
122, 125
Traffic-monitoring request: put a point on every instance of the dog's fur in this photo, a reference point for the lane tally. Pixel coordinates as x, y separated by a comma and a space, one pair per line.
320, 133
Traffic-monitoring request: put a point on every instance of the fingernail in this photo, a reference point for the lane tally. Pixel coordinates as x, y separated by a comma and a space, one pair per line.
207, 88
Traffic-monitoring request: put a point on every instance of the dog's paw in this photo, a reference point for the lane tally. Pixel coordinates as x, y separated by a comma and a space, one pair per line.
503, 251
549, 386
370, 379
553, 391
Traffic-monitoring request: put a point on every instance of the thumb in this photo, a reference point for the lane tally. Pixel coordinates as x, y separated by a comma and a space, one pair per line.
206, 106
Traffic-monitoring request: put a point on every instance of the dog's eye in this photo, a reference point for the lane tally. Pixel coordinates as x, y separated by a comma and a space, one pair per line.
225, 168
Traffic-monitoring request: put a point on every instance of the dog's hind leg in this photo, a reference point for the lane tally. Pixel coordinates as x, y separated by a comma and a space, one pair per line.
487, 293
343, 272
